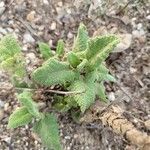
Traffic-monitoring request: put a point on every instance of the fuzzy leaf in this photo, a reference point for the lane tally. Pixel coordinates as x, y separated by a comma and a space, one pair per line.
19, 117
100, 47
80, 42
60, 48
8, 47
100, 88
47, 129
53, 72
45, 50
73, 59
81, 67
87, 95
105, 77
26, 100
14, 65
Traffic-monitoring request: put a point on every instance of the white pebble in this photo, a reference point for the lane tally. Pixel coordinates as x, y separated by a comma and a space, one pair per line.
111, 96
148, 17
53, 26
28, 38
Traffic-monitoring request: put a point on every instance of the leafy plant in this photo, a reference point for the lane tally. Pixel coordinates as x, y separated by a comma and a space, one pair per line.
80, 75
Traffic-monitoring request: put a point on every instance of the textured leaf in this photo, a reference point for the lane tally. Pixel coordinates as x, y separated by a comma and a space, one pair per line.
19, 117
80, 43
81, 67
87, 95
105, 77
60, 48
26, 100
73, 59
45, 50
100, 47
8, 47
100, 88
47, 129
53, 72
14, 65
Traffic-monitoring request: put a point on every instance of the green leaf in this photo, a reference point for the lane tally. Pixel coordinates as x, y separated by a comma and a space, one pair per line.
47, 129
26, 100
53, 72
87, 95
14, 65
73, 59
100, 91
100, 47
8, 47
109, 77
80, 42
45, 50
82, 66
19, 117
105, 77
60, 48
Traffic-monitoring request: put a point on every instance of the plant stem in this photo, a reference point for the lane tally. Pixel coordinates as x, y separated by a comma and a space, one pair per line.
48, 90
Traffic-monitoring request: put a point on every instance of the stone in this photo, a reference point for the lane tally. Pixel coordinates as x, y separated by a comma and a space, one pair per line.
148, 17
1, 114
147, 124
6, 106
111, 96
1, 104
3, 31
28, 38
2, 9
7, 140
70, 35
45, 2
31, 16
53, 26
125, 42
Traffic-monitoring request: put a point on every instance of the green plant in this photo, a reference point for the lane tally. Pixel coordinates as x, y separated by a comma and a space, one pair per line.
80, 75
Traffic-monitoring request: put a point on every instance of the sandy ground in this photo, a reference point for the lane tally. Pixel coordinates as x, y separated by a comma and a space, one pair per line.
48, 20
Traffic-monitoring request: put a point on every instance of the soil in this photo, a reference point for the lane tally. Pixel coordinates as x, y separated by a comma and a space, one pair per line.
48, 20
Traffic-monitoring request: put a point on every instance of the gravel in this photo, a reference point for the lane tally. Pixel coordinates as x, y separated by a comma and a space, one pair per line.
130, 64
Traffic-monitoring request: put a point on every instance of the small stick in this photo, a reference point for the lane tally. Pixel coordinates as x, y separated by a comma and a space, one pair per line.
48, 90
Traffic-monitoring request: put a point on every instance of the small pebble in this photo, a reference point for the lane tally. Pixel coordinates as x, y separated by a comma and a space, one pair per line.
6, 106
70, 35
148, 17
31, 16
7, 140
67, 137
53, 26
1, 104
3, 31
45, 2
28, 38
111, 96
1, 114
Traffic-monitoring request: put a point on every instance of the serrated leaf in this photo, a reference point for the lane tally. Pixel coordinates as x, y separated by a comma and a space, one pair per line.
45, 50
60, 48
14, 65
19, 117
100, 90
87, 95
80, 42
8, 47
47, 129
53, 72
105, 77
99, 48
81, 67
26, 100
73, 60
